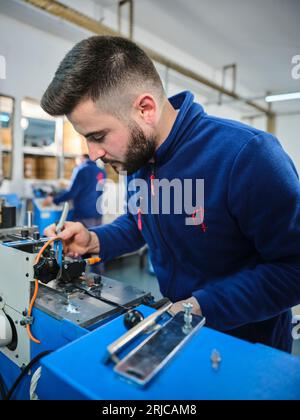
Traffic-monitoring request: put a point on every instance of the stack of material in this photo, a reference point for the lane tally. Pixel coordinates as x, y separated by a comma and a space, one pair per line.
6, 137
40, 167
47, 167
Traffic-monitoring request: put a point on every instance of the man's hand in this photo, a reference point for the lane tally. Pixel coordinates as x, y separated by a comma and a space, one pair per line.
77, 239
177, 307
48, 201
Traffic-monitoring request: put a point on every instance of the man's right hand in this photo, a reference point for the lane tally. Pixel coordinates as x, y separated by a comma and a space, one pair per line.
77, 239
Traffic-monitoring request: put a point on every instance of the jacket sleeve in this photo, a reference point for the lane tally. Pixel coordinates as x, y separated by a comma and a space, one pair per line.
77, 184
118, 238
264, 199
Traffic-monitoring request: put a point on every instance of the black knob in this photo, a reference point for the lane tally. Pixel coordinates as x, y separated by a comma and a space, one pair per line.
36, 236
132, 318
97, 280
24, 233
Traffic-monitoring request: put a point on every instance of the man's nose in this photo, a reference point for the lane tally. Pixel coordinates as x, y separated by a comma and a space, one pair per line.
96, 153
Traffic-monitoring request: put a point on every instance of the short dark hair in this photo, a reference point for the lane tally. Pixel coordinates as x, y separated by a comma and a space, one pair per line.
97, 67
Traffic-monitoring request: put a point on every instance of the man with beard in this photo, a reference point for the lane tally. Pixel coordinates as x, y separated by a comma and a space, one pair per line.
239, 264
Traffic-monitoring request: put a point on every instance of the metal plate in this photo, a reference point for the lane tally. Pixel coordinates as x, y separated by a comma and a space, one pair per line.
85, 310
144, 362
79, 308
116, 292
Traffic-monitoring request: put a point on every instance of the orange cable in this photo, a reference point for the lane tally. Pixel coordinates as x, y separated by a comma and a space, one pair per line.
36, 287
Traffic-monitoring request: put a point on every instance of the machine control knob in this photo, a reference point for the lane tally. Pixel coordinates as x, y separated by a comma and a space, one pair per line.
25, 233
132, 318
36, 236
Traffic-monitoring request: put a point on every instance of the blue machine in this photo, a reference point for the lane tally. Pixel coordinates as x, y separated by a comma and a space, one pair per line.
46, 216
84, 320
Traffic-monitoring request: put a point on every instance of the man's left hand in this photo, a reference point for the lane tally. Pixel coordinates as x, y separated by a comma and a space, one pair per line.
177, 307
48, 201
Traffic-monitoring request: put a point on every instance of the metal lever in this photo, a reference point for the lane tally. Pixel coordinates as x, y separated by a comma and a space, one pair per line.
116, 346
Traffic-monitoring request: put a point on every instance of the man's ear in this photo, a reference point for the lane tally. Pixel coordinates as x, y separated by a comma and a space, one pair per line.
146, 107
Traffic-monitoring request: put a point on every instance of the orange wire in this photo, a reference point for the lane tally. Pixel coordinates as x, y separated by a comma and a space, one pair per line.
36, 287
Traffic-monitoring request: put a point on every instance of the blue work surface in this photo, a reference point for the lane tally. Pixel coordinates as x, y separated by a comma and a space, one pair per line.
247, 371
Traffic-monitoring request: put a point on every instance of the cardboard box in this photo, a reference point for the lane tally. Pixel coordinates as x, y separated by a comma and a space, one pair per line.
6, 137
69, 165
30, 167
6, 165
46, 167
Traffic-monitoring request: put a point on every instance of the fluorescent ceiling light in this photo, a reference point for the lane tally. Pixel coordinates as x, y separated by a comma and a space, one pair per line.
283, 97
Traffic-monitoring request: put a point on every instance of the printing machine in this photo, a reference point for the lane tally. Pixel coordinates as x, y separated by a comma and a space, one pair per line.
91, 337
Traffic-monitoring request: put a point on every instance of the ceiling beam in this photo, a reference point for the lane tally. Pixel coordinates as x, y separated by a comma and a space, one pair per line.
58, 9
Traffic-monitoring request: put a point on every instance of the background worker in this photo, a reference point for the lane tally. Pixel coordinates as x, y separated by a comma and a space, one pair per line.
84, 191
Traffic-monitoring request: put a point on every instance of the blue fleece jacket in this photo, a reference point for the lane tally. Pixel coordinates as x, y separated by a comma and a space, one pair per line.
83, 190
243, 263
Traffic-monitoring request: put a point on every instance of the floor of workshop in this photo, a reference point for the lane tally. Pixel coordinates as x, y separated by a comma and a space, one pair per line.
129, 270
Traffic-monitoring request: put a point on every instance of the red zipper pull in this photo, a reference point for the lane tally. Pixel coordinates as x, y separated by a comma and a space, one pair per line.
140, 223
204, 227
152, 178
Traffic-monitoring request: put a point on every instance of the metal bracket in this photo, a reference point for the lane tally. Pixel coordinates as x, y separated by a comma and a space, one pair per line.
148, 322
149, 357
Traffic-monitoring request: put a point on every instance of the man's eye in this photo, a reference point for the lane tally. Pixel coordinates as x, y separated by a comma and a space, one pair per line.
98, 139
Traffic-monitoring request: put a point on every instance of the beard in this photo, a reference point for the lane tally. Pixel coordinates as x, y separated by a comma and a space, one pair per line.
140, 150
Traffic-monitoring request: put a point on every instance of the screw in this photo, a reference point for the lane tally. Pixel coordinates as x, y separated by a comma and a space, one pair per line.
187, 307
216, 359
188, 317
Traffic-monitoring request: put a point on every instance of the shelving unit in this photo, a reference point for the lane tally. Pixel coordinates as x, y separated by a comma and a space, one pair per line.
60, 144
50, 145
73, 146
6, 135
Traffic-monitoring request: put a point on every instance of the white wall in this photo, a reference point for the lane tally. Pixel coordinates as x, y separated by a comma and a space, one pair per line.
32, 56
288, 132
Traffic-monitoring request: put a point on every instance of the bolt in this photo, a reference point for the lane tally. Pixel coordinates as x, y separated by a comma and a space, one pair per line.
187, 318
216, 359
187, 308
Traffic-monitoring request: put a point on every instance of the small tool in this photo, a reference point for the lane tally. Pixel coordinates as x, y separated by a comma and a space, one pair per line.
58, 246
